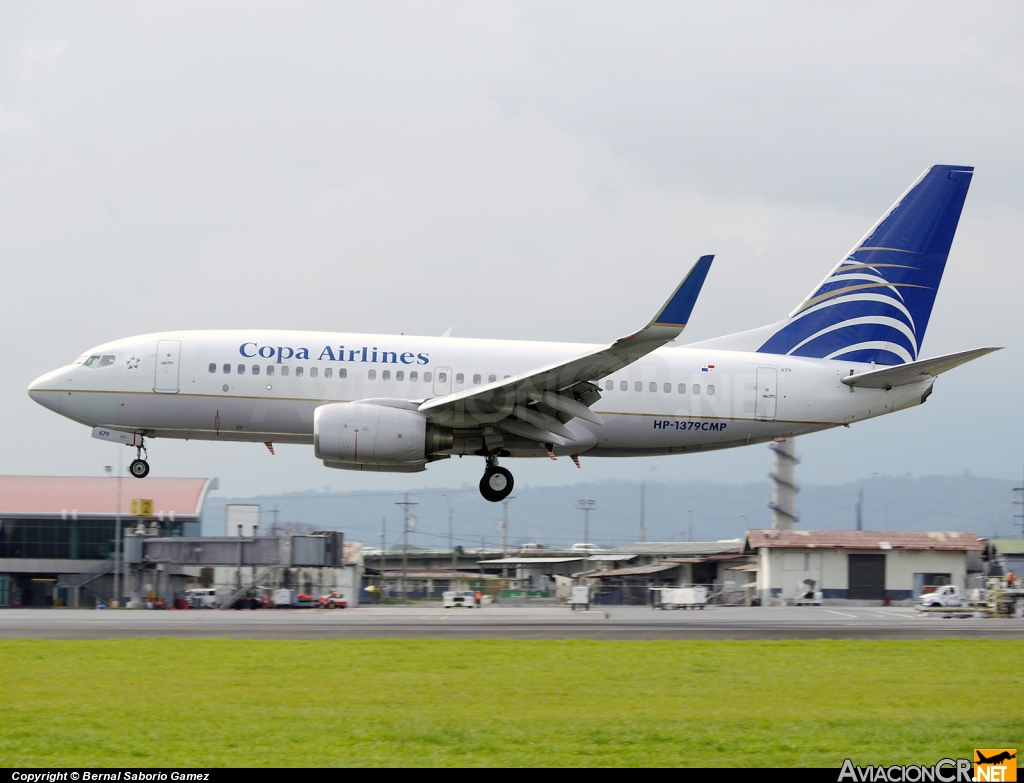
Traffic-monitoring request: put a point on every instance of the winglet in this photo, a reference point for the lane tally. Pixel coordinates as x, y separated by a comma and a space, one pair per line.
676, 311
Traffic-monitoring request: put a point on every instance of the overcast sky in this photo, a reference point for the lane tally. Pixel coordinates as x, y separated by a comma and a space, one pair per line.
525, 170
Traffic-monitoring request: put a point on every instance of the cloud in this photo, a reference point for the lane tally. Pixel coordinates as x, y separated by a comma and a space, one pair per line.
17, 124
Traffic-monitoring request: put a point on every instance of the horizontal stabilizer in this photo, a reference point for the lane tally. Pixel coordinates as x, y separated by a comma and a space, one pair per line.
905, 374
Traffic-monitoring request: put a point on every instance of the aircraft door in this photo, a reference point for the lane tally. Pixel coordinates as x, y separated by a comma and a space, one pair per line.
767, 387
442, 381
167, 354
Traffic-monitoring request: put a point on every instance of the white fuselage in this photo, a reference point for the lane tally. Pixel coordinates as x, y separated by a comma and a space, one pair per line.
674, 400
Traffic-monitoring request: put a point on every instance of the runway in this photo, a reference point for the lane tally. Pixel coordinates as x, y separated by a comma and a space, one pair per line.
549, 622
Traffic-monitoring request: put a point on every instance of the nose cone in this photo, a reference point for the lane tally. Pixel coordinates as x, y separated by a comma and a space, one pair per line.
46, 390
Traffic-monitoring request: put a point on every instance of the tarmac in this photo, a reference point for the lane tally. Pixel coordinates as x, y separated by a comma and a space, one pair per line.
504, 622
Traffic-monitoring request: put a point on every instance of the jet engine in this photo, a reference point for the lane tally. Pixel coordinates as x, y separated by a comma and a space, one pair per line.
349, 434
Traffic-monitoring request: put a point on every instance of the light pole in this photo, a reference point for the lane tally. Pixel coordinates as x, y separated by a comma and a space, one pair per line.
643, 521
383, 556
586, 506
117, 530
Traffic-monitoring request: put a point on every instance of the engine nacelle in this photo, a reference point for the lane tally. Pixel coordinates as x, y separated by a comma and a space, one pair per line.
366, 433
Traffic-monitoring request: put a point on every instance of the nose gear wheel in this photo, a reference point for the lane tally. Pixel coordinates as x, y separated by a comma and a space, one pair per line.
139, 467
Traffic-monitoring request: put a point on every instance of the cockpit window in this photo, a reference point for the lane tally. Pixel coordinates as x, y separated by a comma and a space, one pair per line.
92, 361
106, 361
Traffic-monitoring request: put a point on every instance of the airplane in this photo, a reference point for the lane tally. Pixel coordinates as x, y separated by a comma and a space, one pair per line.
996, 759
849, 351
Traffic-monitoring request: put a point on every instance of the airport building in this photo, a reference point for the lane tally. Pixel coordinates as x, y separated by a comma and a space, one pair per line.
57, 533
856, 565
1006, 556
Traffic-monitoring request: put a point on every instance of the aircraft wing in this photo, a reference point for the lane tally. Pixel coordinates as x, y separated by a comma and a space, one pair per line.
904, 374
536, 404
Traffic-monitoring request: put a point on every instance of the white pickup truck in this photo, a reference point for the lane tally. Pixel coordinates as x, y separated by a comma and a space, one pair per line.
946, 595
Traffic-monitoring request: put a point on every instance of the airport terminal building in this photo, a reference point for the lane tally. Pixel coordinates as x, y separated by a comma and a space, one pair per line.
57, 533
860, 565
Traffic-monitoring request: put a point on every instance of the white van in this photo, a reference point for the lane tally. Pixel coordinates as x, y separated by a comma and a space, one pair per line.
453, 598
201, 598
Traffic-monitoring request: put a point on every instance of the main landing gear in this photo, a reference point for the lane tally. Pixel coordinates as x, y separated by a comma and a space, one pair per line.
139, 467
497, 483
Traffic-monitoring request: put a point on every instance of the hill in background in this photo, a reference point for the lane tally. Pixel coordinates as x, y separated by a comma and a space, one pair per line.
711, 510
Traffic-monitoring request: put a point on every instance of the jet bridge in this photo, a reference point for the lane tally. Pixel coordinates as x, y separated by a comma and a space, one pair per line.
144, 552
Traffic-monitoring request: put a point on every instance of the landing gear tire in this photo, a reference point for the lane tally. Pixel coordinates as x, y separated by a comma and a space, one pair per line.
139, 468
496, 485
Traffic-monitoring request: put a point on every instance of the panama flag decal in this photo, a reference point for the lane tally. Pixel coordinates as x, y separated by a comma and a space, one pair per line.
707, 368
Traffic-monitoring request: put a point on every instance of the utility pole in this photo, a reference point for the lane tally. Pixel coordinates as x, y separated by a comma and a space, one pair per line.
383, 554
405, 548
643, 526
451, 537
586, 506
689, 520
860, 509
1019, 503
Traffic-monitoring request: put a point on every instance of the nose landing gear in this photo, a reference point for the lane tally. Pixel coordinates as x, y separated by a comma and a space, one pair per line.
139, 467
497, 483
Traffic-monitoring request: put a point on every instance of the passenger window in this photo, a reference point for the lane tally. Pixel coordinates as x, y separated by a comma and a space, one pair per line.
638, 386
609, 385
624, 385
255, 369
313, 372
227, 369
92, 361
106, 361
284, 370
477, 378
328, 372
460, 378
298, 372
270, 369
343, 372
668, 388
492, 378
653, 386
682, 388
508, 376
711, 389
427, 376
372, 375
241, 369
442, 377
414, 376
399, 375
213, 367
696, 388
386, 375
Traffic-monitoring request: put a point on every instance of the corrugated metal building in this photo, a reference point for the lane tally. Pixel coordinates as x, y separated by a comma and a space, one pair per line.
58, 532
858, 565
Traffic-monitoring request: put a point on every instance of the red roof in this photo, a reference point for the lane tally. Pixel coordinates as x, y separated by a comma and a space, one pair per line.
862, 539
84, 496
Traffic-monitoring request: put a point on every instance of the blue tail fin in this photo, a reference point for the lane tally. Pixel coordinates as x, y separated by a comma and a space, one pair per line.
875, 306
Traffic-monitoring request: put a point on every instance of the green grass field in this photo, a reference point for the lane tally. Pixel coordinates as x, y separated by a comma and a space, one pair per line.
190, 702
